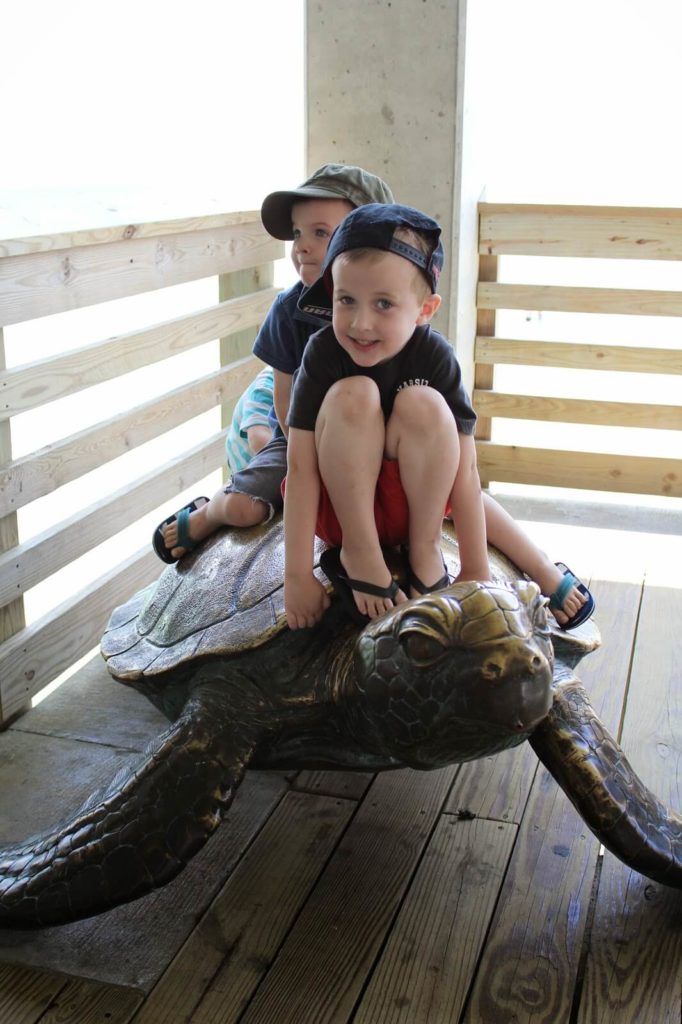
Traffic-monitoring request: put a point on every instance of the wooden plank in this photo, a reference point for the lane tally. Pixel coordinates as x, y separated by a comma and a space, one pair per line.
57, 464
591, 231
348, 785
26, 994
61, 543
426, 969
558, 298
484, 375
323, 965
494, 787
633, 972
37, 654
33, 384
132, 945
595, 471
220, 966
626, 358
83, 1002
123, 232
574, 410
531, 959
93, 707
12, 617
41, 283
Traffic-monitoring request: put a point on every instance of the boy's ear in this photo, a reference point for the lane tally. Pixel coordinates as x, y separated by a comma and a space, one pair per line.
429, 309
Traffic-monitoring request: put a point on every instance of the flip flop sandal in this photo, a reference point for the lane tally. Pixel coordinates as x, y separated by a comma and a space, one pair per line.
421, 587
330, 563
184, 539
557, 599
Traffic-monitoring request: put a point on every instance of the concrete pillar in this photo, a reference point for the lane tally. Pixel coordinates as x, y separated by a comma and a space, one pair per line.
385, 89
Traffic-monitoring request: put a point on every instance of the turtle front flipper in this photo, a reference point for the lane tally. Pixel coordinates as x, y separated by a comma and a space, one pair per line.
139, 832
595, 774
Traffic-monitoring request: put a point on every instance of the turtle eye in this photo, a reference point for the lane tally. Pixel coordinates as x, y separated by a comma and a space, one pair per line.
422, 648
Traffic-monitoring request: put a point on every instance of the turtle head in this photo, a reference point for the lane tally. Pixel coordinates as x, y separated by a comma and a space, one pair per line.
454, 675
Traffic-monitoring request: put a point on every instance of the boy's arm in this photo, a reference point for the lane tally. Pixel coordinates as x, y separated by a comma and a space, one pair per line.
468, 515
305, 599
282, 396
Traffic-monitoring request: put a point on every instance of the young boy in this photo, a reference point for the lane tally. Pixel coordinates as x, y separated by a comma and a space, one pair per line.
250, 428
380, 427
306, 215
381, 431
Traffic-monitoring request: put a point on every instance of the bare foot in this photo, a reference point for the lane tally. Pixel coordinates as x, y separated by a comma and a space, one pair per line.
199, 526
372, 569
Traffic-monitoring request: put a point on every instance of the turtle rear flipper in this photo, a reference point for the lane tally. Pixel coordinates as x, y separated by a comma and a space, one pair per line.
137, 834
592, 770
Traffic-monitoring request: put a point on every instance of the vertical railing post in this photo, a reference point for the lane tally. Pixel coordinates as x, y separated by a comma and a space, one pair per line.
238, 345
484, 373
12, 617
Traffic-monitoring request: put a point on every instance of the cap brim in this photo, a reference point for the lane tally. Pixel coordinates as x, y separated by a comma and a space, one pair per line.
276, 209
316, 300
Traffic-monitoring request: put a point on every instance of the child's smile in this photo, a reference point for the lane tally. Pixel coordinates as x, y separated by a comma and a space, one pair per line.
376, 305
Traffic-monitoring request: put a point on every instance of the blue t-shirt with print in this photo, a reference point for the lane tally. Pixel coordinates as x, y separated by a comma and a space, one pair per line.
283, 336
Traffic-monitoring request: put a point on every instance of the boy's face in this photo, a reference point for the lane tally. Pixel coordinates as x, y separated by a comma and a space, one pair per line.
376, 306
313, 221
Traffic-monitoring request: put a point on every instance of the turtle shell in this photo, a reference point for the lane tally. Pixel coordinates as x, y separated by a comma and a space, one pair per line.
228, 596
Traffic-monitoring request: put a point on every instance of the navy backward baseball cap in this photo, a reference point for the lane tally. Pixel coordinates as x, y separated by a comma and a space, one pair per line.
331, 181
373, 227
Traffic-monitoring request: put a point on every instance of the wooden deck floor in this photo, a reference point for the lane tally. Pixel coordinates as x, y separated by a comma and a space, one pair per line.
470, 894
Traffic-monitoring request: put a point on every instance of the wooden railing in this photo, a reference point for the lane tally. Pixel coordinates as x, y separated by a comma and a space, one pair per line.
584, 232
58, 273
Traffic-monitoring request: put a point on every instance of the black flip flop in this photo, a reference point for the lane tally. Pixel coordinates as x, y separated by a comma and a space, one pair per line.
330, 563
184, 539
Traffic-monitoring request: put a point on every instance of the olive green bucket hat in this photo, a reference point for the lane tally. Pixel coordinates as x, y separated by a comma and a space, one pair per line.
331, 181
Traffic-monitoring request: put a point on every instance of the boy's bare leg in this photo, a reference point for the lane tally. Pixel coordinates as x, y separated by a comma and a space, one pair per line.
349, 437
506, 534
422, 435
233, 509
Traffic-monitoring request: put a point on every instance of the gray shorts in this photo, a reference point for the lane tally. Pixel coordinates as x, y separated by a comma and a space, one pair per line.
262, 478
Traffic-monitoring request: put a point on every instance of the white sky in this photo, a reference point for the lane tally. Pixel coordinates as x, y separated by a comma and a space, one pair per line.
164, 105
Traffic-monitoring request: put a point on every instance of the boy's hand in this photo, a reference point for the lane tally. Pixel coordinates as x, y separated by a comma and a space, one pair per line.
305, 600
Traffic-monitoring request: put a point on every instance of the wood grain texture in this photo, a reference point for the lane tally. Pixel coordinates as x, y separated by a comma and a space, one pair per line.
575, 410
589, 231
54, 465
33, 384
36, 285
564, 299
594, 471
626, 358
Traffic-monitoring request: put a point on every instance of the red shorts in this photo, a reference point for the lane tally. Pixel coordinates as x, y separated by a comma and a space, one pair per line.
391, 511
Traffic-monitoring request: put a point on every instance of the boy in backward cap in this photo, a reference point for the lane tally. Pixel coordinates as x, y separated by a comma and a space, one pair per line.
306, 215
381, 442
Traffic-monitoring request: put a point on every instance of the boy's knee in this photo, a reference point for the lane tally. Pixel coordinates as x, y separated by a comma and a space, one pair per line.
355, 398
421, 406
243, 510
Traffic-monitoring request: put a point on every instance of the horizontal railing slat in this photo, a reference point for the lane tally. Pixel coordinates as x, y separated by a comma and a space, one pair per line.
561, 299
36, 655
33, 384
575, 410
594, 471
51, 467
41, 283
583, 231
28, 564
122, 232
568, 355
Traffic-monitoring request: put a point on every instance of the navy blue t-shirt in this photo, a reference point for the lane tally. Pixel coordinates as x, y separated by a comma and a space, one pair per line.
427, 359
283, 336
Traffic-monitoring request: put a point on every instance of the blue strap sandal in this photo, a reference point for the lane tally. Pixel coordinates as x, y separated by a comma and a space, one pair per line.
557, 599
184, 540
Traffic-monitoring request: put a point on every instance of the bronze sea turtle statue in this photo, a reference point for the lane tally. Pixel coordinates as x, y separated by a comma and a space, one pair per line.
445, 678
